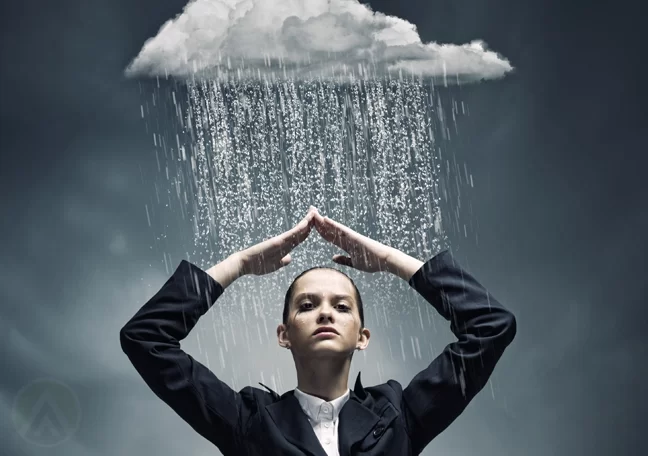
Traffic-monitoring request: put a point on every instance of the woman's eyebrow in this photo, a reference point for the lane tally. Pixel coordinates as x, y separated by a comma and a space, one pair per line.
313, 295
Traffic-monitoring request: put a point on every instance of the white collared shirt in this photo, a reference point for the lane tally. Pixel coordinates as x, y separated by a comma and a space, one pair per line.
324, 417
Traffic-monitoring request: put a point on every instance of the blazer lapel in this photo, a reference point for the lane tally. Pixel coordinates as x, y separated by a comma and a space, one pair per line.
294, 425
356, 419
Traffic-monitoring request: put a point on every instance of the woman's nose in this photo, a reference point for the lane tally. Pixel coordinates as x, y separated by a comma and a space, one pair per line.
326, 313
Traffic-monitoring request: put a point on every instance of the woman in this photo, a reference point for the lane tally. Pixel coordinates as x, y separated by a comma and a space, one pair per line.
322, 326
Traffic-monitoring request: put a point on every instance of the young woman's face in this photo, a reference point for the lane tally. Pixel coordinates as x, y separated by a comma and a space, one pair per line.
323, 317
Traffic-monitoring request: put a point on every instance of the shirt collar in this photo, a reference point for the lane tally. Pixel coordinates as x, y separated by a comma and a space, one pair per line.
318, 409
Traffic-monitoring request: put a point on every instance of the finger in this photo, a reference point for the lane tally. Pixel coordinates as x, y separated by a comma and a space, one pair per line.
319, 224
343, 260
300, 232
310, 215
293, 239
307, 223
337, 227
326, 233
304, 224
285, 261
336, 233
325, 228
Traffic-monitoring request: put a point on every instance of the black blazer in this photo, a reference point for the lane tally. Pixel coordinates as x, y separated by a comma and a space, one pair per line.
379, 420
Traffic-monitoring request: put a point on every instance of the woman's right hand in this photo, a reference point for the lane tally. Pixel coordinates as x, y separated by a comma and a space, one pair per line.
274, 253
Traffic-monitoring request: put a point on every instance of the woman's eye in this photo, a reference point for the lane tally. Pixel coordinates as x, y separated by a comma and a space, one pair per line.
307, 305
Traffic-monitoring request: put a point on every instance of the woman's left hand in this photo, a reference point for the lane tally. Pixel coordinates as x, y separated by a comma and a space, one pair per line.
364, 253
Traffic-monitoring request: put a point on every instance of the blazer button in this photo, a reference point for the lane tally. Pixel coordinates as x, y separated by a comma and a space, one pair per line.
378, 431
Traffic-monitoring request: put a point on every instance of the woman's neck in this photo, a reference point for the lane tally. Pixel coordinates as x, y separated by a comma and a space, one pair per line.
327, 379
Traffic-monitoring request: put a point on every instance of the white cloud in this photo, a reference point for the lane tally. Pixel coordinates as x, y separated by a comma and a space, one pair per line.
304, 38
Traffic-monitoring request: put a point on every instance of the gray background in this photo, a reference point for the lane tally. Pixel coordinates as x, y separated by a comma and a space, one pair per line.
555, 152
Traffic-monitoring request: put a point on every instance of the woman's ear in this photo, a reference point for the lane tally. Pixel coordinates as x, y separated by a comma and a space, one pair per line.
282, 336
363, 339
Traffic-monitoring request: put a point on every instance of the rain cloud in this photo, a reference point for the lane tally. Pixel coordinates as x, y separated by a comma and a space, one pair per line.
304, 39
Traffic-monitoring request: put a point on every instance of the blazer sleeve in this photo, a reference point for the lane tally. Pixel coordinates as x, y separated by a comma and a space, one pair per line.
151, 340
483, 327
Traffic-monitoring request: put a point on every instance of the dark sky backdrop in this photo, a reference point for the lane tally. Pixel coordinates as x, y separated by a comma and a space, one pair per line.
557, 150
